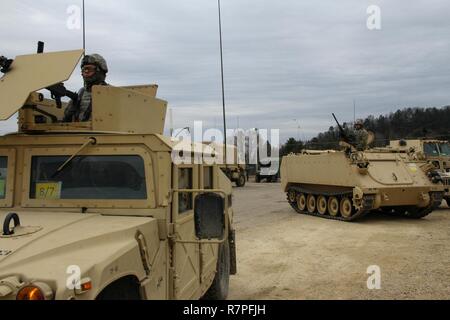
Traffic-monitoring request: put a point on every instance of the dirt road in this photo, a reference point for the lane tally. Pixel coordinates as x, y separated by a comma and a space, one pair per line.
284, 255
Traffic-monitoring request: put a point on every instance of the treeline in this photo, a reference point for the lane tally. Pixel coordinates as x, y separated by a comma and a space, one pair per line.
408, 123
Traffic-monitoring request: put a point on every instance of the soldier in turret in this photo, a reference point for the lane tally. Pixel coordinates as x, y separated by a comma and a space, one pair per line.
93, 69
361, 136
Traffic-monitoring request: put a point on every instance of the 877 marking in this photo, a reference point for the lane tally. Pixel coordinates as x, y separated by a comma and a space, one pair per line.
46, 192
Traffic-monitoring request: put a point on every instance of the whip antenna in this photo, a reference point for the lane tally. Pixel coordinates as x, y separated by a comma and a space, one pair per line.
223, 87
84, 31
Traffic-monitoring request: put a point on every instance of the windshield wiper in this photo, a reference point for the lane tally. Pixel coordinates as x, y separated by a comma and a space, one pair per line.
91, 141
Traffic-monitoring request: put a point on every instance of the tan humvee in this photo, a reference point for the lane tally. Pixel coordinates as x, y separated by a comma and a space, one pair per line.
97, 210
346, 185
436, 152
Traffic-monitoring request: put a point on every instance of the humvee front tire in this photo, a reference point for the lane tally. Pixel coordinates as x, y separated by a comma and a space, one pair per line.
220, 284
123, 289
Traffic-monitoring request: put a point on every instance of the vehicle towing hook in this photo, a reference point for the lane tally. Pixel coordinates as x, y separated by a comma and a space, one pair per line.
6, 224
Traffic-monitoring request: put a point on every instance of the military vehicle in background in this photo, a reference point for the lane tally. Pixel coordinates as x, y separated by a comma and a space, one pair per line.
267, 165
235, 171
346, 185
263, 171
436, 152
97, 209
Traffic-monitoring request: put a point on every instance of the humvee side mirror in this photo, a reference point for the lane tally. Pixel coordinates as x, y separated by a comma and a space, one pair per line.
209, 216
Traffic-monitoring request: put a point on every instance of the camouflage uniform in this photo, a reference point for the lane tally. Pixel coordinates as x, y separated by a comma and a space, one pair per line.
80, 109
361, 136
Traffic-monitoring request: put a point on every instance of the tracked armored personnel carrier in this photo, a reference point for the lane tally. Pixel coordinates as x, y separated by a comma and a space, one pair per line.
436, 152
346, 185
97, 209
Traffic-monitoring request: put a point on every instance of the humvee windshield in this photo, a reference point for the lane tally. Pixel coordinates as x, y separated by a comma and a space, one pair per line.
3, 174
445, 149
430, 149
88, 177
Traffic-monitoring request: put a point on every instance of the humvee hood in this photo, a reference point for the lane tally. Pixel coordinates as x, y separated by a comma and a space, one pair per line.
63, 234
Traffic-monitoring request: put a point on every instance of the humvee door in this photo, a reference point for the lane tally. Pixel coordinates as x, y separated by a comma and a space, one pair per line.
30, 73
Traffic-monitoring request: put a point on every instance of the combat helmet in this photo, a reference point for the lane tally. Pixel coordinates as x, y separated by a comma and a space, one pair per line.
359, 124
97, 60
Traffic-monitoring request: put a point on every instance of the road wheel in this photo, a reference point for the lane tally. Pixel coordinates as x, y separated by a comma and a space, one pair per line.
447, 199
301, 202
257, 179
346, 208
220, 284
311, 203
240, 181
292, 196
322, 205
333, 206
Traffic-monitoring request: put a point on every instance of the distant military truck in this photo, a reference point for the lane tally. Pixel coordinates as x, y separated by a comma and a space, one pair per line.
267, 166
235, 171
266, 172
97, 209
436, 152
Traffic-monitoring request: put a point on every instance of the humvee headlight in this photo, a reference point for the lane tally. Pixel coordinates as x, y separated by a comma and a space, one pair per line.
30, 293
35, 291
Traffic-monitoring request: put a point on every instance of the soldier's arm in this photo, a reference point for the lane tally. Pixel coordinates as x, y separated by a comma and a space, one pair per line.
72, 107
69, 112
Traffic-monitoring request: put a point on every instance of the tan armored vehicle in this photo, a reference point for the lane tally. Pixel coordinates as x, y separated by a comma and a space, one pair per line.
345, 185
97, 209
436, 152
235, 171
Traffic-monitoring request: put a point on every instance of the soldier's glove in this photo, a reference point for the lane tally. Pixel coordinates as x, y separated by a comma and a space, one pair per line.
58, 91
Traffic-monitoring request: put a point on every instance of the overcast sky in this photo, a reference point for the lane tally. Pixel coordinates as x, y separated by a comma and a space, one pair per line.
287, 63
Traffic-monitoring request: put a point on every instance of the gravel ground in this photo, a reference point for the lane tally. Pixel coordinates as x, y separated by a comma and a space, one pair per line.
284, 255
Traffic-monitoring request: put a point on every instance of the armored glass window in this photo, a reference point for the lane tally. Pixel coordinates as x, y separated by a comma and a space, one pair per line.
445, 149
184, 182
88, 177
208, 177
3, 176
430, 149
